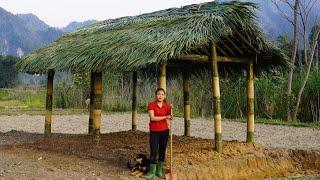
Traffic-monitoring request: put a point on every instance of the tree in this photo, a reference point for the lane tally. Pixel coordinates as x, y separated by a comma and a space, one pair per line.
8, 73
313, 48
295, 23
316, 59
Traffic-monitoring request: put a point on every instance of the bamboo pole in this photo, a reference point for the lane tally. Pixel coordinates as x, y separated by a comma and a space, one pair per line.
97, 106
162, 77
134, 100
48, 116
91, 104
216, 98
186, 100
250, 103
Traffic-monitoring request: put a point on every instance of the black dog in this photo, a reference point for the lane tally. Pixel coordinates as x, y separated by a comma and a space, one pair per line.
139, 165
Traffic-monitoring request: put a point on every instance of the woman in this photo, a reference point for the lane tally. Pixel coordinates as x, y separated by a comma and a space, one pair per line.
159, 112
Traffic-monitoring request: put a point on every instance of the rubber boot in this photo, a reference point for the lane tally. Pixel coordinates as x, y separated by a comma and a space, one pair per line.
152, 172
159, 171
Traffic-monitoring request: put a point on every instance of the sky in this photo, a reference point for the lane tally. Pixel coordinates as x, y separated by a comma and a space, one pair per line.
59, 13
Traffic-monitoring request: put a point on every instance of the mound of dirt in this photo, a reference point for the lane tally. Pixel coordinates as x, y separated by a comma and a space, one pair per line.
194, 158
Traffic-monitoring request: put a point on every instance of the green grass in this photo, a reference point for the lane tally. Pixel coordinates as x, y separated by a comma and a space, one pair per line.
281, 122
22, 99
32, 102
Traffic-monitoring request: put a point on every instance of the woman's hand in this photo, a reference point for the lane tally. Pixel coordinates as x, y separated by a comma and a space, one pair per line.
169, 117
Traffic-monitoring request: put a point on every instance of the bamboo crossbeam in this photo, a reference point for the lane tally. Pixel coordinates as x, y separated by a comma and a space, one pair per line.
246, 41
228, 48
234, 45
205, 59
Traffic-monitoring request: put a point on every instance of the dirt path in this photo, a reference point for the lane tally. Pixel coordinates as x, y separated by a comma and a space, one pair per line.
267, 135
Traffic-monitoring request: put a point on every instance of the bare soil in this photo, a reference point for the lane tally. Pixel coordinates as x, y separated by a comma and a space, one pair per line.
25, 154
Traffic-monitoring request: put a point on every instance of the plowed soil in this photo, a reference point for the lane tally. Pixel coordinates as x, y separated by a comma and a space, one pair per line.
76, 156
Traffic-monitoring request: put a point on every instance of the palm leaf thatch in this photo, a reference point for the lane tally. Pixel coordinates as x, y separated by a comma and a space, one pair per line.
132, 43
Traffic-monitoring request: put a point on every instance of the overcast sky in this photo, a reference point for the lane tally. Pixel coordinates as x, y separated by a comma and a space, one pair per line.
59, 13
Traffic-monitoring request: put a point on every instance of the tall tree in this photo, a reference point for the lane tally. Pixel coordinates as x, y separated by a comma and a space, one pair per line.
295, 23
313, 48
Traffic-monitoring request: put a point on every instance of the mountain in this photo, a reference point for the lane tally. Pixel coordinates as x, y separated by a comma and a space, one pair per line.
21, 34
77, 25
33, 22
272, 21
15, 37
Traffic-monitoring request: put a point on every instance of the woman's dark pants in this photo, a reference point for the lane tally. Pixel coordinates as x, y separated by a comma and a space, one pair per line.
158, 143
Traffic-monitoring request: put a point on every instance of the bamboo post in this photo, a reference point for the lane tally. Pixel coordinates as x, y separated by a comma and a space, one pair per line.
97, 106
186, 96
162, 76
91, 104
134, 100
48, 116
216, 98
250, 103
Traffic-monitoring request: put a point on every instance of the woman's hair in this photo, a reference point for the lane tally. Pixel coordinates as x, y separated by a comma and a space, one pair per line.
160, 89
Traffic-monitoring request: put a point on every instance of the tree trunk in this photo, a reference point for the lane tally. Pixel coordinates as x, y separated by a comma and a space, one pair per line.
307, 75
316, 63
305, 46
292, 60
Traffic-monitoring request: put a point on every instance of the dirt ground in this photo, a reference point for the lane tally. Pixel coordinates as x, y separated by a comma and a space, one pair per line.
267, 135
25, 154
77, 157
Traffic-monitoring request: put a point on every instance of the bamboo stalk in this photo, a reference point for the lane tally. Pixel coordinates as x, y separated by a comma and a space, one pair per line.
91, 130
97, 106
162, 77
216, 98
48, 116
250, 103
134, 100
186, 99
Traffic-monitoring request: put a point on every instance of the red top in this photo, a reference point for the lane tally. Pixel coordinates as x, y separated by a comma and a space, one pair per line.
163, 111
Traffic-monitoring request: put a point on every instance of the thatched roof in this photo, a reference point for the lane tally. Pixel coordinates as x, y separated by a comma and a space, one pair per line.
132, 43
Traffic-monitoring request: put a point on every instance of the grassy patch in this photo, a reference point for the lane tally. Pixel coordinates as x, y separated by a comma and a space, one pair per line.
281, 122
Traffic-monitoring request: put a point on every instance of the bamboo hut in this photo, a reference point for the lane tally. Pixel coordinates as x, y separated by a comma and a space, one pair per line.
207, 35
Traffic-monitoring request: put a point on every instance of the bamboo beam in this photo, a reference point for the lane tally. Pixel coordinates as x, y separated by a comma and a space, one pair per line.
216, 98
234, 45
205, 59
221, 50
134, 100
48, 116
162, 76
246, 41
97, 106
91, 130
228, 48
186, 100
250, 103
